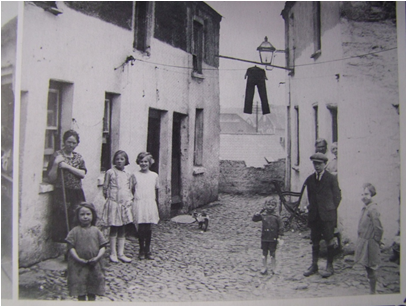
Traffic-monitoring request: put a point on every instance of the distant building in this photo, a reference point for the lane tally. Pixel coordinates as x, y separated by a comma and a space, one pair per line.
239, 140
233, 123
344, 88
129, 75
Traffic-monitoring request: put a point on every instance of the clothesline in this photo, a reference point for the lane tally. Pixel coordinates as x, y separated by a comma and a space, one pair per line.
296, 66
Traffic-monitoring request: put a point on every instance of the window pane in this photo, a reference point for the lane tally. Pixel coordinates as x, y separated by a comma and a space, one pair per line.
52, 115
49, 140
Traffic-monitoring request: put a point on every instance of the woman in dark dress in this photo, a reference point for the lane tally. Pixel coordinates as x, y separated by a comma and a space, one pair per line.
71, 164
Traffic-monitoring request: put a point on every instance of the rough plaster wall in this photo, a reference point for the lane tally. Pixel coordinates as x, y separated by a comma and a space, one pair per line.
236, 178
364, 93
53, 49
371, 131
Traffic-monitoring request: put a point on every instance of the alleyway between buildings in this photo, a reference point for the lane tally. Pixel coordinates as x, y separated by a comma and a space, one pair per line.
222, 264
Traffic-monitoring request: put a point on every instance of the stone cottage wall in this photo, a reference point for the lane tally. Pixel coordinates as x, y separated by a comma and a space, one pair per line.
236, 178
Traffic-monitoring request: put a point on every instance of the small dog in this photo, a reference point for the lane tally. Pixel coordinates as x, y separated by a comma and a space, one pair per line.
202, 219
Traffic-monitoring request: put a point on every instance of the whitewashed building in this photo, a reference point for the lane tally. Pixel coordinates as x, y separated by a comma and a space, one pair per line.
134, 76
344, 88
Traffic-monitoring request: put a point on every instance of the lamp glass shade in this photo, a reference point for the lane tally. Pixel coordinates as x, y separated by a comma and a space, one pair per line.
266, 51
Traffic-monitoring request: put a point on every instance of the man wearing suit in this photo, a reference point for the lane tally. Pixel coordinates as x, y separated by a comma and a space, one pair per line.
324, 197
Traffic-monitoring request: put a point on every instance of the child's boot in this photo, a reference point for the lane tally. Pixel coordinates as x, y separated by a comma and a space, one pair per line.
372, 280
120, 255
264, 270
147, 247
113, 252
141, 245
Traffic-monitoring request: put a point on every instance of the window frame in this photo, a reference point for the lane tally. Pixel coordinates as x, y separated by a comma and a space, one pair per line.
199, 137
297, 135
142, 25
54, 130
316, 14
198, 44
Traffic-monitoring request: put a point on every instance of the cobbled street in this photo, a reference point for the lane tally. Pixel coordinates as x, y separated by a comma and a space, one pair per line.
221, 264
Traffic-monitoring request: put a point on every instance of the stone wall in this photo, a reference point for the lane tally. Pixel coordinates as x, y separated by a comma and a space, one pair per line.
236, 178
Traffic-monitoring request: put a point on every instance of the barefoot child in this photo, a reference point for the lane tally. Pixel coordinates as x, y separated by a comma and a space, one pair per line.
86, 246
145, 211
272, 228
370, 233
117, 212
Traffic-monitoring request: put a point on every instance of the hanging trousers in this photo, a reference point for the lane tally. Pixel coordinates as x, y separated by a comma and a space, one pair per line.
256, 76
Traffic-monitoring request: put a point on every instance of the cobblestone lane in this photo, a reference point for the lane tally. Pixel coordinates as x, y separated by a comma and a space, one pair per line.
222, 264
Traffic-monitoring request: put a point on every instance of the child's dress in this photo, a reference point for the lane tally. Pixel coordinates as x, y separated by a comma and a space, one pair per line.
86, 278
370, 231
145, 207
118, 207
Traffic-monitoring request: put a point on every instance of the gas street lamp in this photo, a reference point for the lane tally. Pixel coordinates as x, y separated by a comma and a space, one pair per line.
266, 51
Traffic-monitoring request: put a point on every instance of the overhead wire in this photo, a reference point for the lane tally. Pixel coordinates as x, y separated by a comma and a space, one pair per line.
298, 65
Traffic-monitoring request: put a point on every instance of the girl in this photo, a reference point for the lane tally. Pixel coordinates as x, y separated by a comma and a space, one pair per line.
117, 212
370, 233
145, 210
86, 246
66, 169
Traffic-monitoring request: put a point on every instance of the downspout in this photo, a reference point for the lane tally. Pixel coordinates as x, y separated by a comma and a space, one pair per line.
288, 151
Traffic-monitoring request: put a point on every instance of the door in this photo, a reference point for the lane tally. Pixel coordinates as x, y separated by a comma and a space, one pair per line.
176, 160
153, 137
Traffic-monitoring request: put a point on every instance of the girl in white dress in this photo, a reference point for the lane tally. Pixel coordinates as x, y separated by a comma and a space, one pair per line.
117, 212
145, 211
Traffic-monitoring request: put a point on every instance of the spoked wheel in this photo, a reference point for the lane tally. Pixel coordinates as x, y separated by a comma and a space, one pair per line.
297, 223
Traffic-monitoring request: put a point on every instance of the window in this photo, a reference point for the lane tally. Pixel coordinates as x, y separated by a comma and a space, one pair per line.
198, 146
317, 28
141, 25
334, 116
53, 129
290, 43
316, 121
297, 136
105, 160
197, 47
59, 118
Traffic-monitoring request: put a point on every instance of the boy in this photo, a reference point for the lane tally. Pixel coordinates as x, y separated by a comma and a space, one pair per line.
272, 228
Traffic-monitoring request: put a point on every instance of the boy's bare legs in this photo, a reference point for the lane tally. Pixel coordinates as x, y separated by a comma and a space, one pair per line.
273, 263
264, 270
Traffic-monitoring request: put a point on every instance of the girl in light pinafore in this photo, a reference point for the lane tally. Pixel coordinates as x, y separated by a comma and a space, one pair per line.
145, 211
117, 212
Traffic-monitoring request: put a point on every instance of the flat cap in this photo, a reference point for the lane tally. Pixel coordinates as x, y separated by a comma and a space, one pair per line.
319, 157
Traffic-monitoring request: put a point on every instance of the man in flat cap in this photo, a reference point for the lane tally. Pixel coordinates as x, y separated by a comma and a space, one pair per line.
324, 197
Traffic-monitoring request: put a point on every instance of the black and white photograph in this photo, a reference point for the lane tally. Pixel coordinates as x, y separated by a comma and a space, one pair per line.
203, 153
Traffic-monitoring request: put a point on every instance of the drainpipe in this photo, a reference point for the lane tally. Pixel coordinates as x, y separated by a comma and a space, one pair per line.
288, 144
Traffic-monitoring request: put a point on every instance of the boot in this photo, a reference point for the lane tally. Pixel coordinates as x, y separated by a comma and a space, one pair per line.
147, 252
113, 252
329, 265
120, 255
314, 266
372, 283
141, 246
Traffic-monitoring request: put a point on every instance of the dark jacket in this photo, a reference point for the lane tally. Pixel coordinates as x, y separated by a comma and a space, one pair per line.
324, 197
272, 226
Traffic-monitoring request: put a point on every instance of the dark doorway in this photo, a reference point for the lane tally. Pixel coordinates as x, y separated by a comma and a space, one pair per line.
153, 137
176, 183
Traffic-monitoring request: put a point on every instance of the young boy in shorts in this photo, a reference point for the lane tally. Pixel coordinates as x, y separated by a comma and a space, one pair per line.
272, 228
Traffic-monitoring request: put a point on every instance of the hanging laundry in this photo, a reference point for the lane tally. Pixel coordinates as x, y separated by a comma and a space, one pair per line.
256, 77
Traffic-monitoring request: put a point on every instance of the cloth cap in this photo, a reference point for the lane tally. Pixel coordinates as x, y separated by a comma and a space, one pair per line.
319, 157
